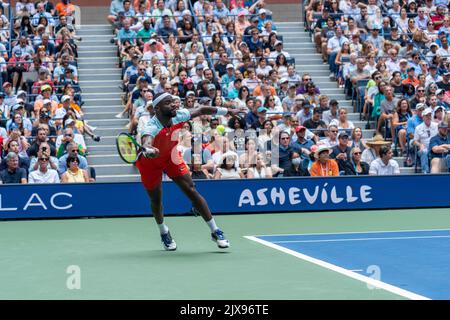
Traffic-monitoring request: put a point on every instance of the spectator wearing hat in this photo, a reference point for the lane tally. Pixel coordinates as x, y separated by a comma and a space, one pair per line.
22, 99
341, 152
241, 23
13, 173
411, 77
432, 53
44, 99
288, 102
442, 100
445, 83
254, 21
141, 75
153, 51
324, 166
422, 136
302, 145
414, 121
18, 120
198, 76
432, 76
384, 165
43, 78
439, 150
372, 151
331, 114
278, 51
10, 97
227, 79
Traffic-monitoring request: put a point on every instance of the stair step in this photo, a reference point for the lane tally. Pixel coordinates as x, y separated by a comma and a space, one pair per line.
105, 89
119, 178
104, 159
115, 169
99, 77
111, 122
100, 102
98, 53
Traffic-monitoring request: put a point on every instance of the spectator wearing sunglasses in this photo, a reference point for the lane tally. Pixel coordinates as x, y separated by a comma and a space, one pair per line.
422, 136
74, 173
71, 150
356, 167
43, 174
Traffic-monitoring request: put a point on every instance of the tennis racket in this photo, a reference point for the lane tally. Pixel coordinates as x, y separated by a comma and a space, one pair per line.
128, 148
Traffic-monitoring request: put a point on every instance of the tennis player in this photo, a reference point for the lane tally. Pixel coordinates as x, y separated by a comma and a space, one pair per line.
160, 139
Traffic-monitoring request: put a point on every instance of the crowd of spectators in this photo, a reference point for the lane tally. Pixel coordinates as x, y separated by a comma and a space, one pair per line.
42, 127
231, 55
392, 58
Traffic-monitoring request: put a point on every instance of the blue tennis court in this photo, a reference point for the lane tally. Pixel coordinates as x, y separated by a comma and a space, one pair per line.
414, 264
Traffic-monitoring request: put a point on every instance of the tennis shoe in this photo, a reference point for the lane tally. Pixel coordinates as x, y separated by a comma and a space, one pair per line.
219, 238
168, 243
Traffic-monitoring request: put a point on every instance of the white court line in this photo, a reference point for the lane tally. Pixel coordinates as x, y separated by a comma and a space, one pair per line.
347, 232
360, 239
345, 272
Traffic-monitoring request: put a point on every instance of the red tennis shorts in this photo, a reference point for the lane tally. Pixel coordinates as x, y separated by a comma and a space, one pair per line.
151, 170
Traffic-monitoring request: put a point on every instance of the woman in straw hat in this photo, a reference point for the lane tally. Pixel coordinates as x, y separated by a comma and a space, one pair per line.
324, 166
373, 150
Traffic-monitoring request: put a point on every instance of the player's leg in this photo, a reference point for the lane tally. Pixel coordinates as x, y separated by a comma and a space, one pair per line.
186, 184
157, 210
151, 177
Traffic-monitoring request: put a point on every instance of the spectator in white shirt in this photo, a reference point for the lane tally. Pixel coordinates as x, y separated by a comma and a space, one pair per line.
422, 136
384, 165
43, 174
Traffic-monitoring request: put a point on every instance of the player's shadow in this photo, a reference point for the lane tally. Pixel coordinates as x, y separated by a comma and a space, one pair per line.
155, 254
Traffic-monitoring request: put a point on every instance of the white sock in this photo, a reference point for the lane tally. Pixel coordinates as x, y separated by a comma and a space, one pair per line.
212, 225
163, 229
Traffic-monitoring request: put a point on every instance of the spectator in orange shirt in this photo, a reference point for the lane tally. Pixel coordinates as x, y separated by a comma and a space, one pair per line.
65, 8
411, 79
324, 166
46, 92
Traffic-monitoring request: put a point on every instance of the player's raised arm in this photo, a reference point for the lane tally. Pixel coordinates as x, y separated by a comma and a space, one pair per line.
213, 111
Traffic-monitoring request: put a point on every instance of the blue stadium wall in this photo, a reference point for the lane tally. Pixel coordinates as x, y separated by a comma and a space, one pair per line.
227, 196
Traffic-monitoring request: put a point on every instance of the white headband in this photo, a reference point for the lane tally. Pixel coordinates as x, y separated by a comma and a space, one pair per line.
159, 98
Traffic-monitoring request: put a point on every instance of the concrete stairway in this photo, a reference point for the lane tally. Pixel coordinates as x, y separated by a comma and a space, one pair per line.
99, 78
299, 45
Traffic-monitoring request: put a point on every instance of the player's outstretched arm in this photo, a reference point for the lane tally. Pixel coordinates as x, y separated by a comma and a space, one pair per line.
213, 111
149, 151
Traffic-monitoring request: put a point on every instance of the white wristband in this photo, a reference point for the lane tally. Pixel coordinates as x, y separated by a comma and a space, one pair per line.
221, 111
